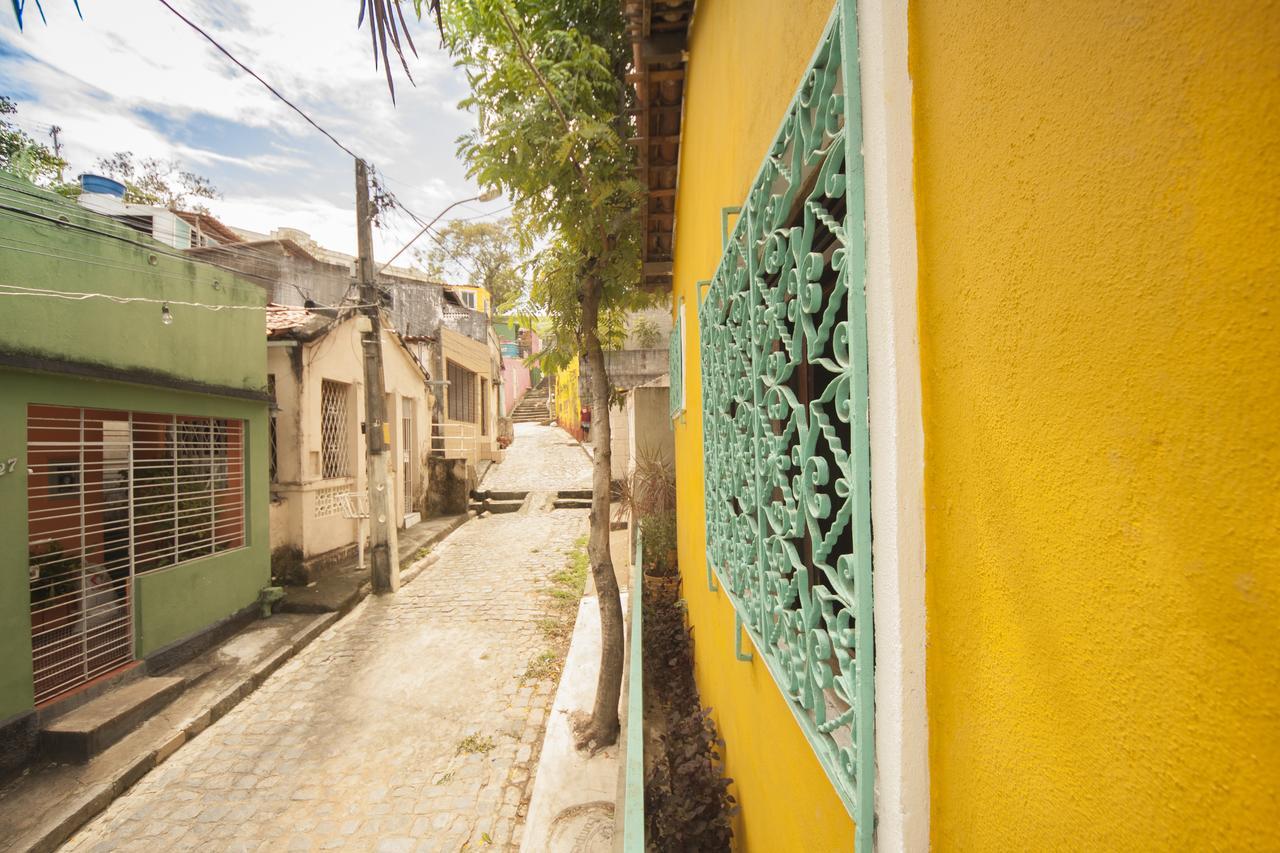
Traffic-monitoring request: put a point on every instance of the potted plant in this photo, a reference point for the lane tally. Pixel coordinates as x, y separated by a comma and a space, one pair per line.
660, 569
648, 498
54, 576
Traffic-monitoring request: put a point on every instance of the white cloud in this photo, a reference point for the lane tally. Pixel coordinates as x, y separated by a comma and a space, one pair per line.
131, 76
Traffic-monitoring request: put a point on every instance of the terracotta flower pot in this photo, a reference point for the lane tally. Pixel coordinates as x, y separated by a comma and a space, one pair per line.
664, 586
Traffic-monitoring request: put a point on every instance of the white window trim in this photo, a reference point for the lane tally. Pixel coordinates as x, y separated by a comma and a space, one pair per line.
897, 432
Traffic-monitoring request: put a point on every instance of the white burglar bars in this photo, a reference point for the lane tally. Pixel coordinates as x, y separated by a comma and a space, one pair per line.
334, 424
112, 494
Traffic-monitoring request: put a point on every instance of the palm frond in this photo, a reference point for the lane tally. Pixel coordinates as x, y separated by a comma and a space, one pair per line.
387, 25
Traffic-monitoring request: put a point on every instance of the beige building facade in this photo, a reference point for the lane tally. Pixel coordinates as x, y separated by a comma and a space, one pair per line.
471, 398
316, 376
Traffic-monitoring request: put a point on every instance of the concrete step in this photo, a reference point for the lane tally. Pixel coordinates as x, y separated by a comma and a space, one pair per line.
490, 505
497, 506
576, 494
497, 495
569, 503
83, 733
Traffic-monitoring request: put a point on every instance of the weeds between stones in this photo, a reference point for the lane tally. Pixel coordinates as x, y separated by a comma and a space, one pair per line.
545, 665
565, 591
475, 744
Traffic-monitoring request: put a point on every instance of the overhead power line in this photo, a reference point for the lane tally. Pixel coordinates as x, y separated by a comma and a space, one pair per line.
78, 296
255, 76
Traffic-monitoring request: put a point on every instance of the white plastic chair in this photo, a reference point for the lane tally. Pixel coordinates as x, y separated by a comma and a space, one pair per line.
356, 505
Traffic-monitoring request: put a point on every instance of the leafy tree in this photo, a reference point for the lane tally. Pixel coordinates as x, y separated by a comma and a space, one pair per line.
25, 157
546, 85
487, 252
645, 332
162, 183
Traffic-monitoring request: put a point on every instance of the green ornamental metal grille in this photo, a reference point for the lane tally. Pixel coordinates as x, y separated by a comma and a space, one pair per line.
784, 391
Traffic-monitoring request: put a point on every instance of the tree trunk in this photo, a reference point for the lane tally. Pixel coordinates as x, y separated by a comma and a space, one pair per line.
602, 729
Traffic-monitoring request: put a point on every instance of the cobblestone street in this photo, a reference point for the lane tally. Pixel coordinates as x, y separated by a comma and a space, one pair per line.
557, 463
406, 727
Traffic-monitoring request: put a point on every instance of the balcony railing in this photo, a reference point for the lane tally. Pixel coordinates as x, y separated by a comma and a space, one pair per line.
456, 440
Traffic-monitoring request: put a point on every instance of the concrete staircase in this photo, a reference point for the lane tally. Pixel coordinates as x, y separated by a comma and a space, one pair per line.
533, 406
491, 501
573, 499
79, 735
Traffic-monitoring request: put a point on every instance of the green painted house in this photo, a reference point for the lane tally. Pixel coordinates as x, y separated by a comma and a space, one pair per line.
133, 454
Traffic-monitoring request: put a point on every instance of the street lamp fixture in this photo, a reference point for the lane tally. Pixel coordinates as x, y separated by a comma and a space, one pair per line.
486, 196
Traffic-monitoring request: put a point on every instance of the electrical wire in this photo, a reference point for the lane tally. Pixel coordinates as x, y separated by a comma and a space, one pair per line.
434, 235
159, 250
80, 296
255, 76
222, 256
503, 209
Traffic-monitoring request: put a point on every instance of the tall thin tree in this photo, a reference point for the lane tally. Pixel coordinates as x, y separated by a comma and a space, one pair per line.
546, 86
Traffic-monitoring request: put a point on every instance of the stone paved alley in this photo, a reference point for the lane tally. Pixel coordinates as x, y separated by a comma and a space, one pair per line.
406, 726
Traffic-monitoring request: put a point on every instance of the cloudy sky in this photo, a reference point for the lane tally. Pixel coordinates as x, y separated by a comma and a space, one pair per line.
132, 77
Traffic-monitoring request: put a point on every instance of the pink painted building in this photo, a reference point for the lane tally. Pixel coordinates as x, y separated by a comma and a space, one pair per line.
517, 377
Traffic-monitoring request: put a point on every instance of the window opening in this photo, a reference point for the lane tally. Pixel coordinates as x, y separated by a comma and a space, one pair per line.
112, 495
782, 340
462, 393
334, 426
274, 444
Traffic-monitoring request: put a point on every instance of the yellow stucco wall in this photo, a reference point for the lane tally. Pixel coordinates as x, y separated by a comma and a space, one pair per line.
1096, 190
484, 299
568, 403
746, 58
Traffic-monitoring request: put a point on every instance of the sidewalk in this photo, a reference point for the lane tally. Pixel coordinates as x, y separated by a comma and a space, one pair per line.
414, 723
340, 587
50, 801
47, 803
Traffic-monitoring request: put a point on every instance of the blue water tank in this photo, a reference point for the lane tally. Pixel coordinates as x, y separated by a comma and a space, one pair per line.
99, 184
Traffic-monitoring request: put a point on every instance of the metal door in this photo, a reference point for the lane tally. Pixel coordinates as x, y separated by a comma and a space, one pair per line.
407, 451
80, 532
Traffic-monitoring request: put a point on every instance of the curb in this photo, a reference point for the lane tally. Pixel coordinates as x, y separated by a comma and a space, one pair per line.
96, 798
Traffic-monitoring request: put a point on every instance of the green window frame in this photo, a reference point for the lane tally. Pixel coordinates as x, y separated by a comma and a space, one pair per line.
783, 343
676, 365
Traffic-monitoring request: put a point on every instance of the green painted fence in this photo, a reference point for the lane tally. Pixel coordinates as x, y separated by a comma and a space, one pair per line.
633, 773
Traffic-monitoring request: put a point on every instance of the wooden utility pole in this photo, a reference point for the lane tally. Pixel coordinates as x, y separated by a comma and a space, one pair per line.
384, 564
57, 148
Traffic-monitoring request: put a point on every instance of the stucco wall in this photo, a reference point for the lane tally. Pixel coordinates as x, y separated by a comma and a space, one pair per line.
300, 372
92, 253
88, 253
171, 603
416, 306
650, 432
567, 402
481, 359
515, 381
746, 59
1099, 237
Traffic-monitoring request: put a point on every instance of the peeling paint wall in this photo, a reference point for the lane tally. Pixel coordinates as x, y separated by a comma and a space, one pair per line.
1099, 233
307, 520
